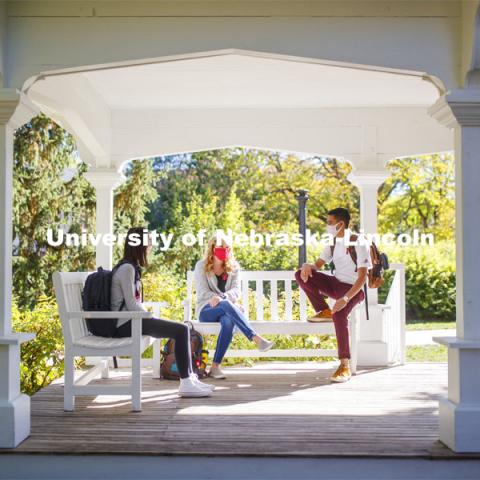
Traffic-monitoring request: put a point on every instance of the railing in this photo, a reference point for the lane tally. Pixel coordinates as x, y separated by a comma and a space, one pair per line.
394, 316
264, 294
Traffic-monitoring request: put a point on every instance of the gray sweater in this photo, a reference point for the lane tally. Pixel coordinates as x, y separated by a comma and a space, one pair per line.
206, 286
123, 289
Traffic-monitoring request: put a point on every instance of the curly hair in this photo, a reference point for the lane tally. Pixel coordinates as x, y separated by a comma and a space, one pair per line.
230, 264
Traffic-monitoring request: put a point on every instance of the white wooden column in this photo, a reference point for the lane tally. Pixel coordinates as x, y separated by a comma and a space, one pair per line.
372, 347
460, 410
104, 181
14, 406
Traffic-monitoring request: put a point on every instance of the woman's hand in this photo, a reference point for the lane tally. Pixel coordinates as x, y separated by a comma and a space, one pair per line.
214, 301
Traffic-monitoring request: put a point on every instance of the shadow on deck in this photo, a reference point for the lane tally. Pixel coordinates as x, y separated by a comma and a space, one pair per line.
287, 409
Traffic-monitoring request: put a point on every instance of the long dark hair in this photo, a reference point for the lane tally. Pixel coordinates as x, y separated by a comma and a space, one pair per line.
136, 254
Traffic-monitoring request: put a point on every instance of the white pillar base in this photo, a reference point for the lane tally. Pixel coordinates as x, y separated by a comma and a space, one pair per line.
14, 421
372, 354
14, 406
459, 426
372, 349
460, 410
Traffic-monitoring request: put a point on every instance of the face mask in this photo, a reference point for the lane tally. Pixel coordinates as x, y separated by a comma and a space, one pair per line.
332, 229
221, 253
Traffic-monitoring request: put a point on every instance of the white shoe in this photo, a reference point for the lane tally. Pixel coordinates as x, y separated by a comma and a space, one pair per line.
265, 345
217, 373
196, 380
189, 388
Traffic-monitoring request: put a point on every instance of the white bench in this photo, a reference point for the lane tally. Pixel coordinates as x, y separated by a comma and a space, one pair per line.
279, 325
80, 342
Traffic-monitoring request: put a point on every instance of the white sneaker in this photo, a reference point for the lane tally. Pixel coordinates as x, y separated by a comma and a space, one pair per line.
189, 388
217, 373
197, 381
265, 345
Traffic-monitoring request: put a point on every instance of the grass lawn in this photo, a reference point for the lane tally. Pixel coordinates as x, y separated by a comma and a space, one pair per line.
426, 353
416, 324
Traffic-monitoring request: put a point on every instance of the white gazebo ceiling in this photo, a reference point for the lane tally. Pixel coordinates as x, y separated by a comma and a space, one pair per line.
209, 100
231, 81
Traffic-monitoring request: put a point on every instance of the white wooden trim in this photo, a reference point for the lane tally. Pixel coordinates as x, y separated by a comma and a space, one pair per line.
273, 301
259, 299
90, 374
245, 299
288, 301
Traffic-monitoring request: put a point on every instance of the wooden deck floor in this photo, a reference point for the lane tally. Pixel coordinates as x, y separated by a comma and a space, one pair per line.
270, 409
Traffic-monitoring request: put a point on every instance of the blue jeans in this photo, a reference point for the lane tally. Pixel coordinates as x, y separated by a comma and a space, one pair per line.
230, 316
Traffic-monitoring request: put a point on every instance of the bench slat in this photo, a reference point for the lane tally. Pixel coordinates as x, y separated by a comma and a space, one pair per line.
288, 300
245, 303
273, 300
303, 306
259, 299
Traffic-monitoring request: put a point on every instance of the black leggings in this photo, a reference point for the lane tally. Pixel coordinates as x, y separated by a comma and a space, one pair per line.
166, 329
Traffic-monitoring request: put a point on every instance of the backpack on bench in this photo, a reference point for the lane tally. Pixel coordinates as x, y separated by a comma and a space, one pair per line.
375, 278
96, 297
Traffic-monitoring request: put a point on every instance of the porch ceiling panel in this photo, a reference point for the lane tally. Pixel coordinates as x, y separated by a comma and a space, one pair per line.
118, 111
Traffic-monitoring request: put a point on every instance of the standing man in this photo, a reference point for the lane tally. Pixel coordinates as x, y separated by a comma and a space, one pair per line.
345, 286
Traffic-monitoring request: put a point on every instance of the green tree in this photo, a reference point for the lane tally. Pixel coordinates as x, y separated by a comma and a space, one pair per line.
49, 192
133, 199
420, 194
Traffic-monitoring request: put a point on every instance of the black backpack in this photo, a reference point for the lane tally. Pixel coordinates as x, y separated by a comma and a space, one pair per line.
96, 297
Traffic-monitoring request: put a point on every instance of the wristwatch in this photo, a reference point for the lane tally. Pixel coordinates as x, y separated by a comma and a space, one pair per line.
346, 298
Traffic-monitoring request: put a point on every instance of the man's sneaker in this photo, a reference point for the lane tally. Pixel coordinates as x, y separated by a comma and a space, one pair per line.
322, 316
196, 380
189, 388
265, 345
216, 373
342, 375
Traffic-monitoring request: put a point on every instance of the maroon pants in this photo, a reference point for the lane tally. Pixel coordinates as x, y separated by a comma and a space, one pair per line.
320, 285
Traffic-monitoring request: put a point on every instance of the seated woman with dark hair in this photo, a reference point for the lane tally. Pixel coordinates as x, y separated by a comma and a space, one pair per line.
127, 295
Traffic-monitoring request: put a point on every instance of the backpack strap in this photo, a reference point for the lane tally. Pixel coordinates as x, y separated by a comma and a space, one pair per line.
352, 252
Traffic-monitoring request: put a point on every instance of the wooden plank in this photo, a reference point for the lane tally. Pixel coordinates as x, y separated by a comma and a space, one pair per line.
381, 412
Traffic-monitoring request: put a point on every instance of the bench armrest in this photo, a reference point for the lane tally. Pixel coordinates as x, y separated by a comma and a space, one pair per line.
106, 315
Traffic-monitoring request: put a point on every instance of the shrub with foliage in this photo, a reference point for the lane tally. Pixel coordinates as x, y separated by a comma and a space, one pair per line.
42, 358
430, 279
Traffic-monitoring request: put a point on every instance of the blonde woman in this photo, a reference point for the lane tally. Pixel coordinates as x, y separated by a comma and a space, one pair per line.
217, 284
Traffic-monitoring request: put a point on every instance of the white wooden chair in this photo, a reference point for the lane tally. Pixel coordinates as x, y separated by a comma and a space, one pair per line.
285, 325
80, 342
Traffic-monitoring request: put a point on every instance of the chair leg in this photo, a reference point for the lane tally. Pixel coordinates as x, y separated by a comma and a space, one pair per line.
136, 383
105, 368
156, 358
68, 396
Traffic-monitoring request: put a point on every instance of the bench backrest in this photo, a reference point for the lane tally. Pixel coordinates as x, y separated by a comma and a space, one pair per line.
68, 292
258, 280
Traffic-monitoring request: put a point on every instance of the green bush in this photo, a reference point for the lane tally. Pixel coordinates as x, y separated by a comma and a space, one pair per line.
430, 279
42, 358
